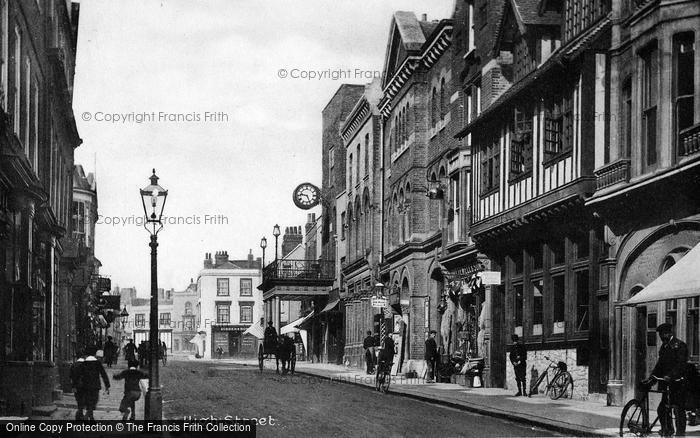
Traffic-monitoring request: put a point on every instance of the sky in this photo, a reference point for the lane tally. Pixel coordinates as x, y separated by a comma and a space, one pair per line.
223, 98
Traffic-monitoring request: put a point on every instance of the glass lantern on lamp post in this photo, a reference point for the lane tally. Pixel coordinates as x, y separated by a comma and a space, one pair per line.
276, 232
263, 245
153, 199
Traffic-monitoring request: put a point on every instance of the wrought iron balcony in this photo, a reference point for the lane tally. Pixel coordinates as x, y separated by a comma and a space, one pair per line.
299, 271
613, 173
689, 141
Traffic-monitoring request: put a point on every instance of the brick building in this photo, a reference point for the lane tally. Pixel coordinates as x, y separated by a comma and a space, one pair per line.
39, 135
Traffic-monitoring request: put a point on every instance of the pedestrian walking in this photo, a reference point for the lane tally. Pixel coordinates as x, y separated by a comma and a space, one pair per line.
89, 374
77, 384
369, 345
163, 353
220, 352
432, 356
518, 357
130, 351
110, 349
132, 389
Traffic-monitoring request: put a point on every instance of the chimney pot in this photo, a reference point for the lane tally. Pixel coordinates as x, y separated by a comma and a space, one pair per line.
424, 17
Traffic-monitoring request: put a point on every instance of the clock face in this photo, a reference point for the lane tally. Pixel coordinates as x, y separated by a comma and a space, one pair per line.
306, 196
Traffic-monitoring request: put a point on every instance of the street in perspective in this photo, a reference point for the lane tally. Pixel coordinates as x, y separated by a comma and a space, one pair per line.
315, 218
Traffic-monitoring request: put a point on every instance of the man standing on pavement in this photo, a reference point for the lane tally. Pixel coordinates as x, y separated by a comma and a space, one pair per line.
130, 351
518, 357
89, 374
431, 355
671, 367
77, 383
368, 345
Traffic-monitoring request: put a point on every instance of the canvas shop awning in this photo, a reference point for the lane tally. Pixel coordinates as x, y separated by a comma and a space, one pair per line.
330, 306
255, 330
681, 280
294, 326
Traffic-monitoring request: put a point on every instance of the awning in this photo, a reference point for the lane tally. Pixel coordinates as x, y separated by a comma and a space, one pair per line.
330, 306
682, 280
255, 330
294, 326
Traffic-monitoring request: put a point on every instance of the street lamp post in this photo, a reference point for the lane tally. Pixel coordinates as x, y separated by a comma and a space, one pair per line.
124, 315
276, 232
379, 288
263, 245
153, 198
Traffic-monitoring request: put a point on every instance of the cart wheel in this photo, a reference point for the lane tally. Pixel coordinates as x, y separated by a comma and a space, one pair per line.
261, 357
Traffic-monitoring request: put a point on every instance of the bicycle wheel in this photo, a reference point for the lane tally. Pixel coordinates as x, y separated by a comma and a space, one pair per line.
378, 380
385, 382
634, 419
560, 384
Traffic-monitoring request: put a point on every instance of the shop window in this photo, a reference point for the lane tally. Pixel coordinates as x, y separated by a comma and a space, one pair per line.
583, 304
537, 307
583, 246
652, 322
559, 296
519, 302
692, 326
684, 84
557, 248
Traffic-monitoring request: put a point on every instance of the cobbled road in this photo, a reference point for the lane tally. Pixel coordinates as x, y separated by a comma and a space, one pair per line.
305, 406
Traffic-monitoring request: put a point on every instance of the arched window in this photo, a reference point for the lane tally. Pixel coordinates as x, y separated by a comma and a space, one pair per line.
348, 226
433, 108
188, 308
367, 220
408, 120
358, 227
357, 170
443, 103
397, 132
350, 171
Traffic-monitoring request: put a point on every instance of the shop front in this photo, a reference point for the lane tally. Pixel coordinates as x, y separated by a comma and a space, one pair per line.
227, 338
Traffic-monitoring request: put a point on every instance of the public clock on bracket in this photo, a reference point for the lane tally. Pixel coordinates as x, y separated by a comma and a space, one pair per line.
306, 196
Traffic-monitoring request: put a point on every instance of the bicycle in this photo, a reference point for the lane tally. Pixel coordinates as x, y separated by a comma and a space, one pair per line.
383, 377
557, 387
635, 415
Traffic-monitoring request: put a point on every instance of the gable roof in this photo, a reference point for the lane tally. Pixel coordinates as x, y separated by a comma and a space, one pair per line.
406, 37
527, 14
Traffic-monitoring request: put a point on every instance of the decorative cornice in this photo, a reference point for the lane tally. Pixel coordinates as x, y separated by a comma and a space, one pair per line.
359, 114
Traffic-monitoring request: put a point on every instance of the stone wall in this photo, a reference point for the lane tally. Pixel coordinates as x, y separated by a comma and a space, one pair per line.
536, 364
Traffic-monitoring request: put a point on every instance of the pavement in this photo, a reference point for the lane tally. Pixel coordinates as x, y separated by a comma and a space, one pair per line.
107, 407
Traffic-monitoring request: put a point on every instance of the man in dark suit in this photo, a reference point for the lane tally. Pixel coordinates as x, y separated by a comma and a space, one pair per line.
518, 357
90, 373
368, 345
431, 355
671, 367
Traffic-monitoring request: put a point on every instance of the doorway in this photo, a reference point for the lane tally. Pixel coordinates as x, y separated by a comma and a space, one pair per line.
232, 344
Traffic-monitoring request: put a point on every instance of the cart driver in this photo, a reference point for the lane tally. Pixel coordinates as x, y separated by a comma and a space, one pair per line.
270, 340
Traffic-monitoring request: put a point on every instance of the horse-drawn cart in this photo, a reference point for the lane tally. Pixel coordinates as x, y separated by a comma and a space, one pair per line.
282, 350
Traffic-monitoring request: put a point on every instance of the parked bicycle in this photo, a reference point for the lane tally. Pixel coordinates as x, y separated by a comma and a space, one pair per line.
634, 420
561, 384
383, 377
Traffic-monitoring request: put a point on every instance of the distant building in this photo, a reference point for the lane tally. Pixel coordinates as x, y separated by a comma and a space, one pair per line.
228, 303
185, 323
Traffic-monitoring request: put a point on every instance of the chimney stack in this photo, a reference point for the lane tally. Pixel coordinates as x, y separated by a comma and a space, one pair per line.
423, 17
207, 261
292, 237
220, 258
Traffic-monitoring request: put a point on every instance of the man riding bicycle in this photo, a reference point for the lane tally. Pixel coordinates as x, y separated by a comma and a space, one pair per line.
671, 367
386, 353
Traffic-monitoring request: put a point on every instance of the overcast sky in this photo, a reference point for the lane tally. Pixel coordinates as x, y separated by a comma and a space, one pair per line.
150, 60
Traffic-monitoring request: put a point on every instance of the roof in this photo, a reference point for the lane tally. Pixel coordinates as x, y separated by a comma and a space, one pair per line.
681, 280
411, 31
528, 12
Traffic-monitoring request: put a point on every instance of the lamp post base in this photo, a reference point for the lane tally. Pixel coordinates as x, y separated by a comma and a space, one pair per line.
153, 405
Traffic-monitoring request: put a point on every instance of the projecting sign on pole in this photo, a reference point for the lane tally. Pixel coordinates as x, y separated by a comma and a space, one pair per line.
379, 302
490, 277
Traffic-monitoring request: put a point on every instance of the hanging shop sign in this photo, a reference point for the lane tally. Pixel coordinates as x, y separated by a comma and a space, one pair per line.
379, 302
490, 277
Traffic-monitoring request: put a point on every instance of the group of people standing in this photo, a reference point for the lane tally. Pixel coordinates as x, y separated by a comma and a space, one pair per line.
143, 351
386, 351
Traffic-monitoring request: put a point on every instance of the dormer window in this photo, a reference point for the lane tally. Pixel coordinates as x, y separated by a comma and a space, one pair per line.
521, 142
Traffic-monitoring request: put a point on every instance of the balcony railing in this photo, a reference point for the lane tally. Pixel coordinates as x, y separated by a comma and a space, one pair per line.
613, 173
303, 270
689, 141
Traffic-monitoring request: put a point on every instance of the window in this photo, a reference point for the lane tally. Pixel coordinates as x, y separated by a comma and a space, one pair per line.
26, 98
684, 84
649, 101
518, 292
557, 248
164, 319
652, 322
4, 47
350, 172
357, 168
490, 164
583, 246
367, 153
246, 313
672, 312
521, 143
443, 103
246, 287
188, 308
470, 28
140, 320
433, 109
559, 296
537, 307
626, 128
342, 226
223, 313
331, 157
582, 300
222, 287
535, 253
691, 327
16, 78
78, 219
